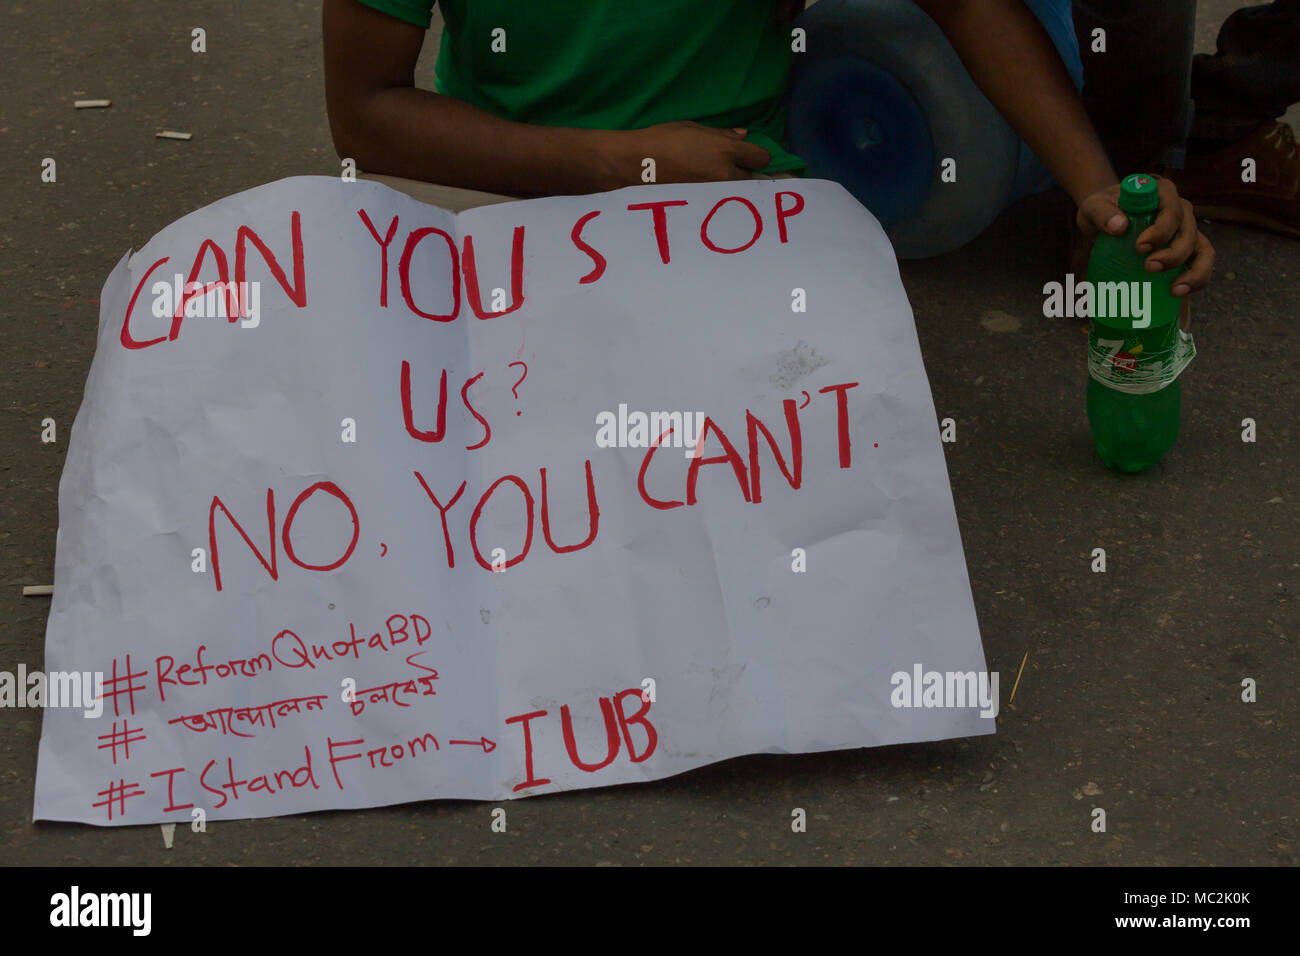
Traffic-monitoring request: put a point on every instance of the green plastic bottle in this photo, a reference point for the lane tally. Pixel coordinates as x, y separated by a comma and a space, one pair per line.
1135, 348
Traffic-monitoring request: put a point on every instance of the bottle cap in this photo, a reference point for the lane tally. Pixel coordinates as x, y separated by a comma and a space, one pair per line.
1139, 193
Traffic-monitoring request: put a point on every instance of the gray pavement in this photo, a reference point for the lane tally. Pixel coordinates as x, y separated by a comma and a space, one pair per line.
1130, 692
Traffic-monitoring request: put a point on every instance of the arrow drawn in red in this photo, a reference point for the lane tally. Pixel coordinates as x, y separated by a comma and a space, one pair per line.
487, 745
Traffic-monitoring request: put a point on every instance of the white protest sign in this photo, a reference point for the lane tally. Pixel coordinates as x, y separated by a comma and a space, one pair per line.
408, 515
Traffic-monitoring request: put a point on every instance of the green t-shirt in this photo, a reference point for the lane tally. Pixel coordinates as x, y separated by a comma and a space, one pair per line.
617, 64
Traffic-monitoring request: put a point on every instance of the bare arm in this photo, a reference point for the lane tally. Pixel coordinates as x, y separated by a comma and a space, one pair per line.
1013, 61
378, 118
381, 120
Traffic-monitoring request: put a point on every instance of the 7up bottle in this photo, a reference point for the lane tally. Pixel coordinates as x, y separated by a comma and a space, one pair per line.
1136, 350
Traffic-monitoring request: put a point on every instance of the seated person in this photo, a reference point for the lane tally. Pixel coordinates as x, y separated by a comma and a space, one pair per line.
572, 96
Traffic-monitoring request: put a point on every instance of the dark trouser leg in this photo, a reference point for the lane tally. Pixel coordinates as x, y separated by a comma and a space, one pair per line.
1252, 79
1137, 92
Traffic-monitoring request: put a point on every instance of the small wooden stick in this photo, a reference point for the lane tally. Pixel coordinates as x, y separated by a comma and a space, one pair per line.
172, 134
1017, 683
37, 590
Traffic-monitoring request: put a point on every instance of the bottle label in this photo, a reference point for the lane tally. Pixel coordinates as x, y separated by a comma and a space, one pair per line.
1125, 365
